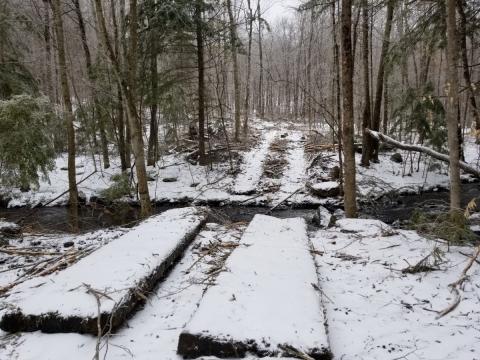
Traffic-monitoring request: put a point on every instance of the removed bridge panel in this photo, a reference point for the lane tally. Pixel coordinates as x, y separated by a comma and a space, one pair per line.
265, 302
110, 282
252, 169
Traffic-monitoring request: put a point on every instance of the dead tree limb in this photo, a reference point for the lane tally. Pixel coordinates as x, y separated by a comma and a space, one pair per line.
457, 284
423, 149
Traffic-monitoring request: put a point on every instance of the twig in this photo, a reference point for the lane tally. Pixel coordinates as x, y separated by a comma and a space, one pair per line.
454, 286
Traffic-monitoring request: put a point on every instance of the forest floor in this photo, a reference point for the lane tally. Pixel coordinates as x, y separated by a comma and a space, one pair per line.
382, 290
276, 164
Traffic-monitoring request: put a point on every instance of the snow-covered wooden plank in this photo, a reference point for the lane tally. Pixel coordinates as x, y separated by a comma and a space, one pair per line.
265, 302
120, 275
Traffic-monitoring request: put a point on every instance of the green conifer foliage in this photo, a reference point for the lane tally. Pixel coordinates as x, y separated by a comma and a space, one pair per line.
26, 145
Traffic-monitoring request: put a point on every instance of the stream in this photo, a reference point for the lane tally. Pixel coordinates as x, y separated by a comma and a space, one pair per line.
398, 208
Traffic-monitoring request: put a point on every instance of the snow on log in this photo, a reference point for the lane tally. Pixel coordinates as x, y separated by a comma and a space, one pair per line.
324, 189
111, 282
266, 302
423, 149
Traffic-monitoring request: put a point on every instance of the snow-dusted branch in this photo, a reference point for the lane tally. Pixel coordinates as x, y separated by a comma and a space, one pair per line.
423, 149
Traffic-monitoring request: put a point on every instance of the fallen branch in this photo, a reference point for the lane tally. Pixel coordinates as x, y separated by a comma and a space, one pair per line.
457, 284
422, 149
14, 251
282, 201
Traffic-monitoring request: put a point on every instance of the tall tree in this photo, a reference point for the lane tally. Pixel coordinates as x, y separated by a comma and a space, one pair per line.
349, 187
452, 104
380, 77
261, 106
201, 80
152, 153
462, 32
366, 116
236, 81
250, 19
91, 77
68, 110
128, 84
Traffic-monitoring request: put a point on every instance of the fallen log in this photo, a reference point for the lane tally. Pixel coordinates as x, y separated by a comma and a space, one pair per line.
123, 272
266, 303
423, 149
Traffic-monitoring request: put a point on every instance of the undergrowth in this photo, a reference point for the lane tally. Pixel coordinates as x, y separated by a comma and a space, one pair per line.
450, 226
120, 187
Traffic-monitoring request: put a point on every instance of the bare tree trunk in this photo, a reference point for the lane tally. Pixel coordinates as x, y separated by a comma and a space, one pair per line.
349, 189
452, 105
48, 51
153, 138
67, 103
381, 71
128, 90
462, 32
386, 104
366, 117
261, 107
120, 123
249, 68
201, 81
336, 64
92, 80
236, 81
309, 70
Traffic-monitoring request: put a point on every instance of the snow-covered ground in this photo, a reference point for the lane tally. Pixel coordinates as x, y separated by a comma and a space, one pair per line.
375, 306
376, 311
200, 184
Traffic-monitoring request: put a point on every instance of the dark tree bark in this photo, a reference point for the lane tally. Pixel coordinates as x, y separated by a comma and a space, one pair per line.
250, 20
452, 105
48, 52
201, 81
120, 122
380, 77
462, 33
261, 106
349, 187
67, 103
236, 81
366, 117
153, 138
336, 64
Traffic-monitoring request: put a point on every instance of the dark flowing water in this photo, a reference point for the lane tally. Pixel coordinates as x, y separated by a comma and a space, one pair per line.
389, 209
55, 219
401, 207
